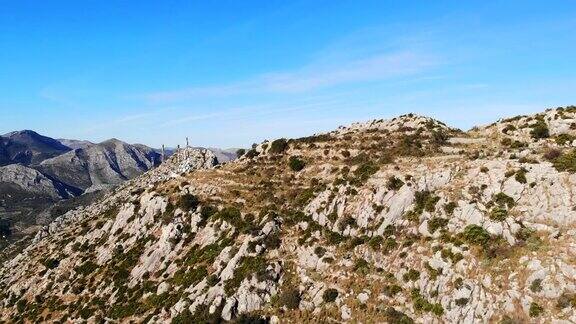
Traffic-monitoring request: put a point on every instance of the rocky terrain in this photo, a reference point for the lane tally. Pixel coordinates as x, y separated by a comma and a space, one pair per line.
401, 221
223, 155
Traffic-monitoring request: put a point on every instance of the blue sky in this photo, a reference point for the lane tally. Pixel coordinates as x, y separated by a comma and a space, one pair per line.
230, 73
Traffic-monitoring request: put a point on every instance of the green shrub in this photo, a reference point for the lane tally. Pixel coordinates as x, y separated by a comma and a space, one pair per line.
566, 300
535, 310
290, 298
394, 183
231, 215
361, 265
425, 200
563, 139
251, 319
498, 214
513, 144
347, 221
212, 280
320, 251
51, 263
566, 162
334, 238
461, 302
184, 317
207, 211
517, 145
391, 290
273, 241
330, 295
503, 200
397, 317
389, 230
536, 285
474, 234
411, 275
305, 196
248, 267
364, 171
521, 175
252, 153
375, 242
188, 202
436, 223
86, 268
279, 146
421, 304
530, 238
447, 254
508, 128
388, 245
540, 130
296, 164
506, 141
450, 207
240, 152
434, 273
21, 305
458, 283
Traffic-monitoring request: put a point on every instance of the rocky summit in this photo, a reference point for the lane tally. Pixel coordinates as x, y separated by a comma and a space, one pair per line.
401, 221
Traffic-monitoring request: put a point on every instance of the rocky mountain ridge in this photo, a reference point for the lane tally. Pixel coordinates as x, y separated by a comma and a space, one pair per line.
400, 221
96, 166
28, 148
41, 171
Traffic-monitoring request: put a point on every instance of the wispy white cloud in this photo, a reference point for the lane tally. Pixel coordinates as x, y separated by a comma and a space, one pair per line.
312, 77
191, 118
121, 121
364, 70
251, 112
53, 94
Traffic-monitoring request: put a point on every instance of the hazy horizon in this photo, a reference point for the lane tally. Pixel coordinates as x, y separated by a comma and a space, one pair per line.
230, 74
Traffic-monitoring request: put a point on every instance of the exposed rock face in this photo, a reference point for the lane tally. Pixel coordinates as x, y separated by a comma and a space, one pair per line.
29, 180
105, 164
403, 220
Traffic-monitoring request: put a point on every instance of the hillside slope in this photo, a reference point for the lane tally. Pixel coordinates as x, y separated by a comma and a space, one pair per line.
403, 220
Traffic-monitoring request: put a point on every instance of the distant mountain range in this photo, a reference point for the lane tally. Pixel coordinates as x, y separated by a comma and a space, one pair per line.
76, 168
37, 171
28, 147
